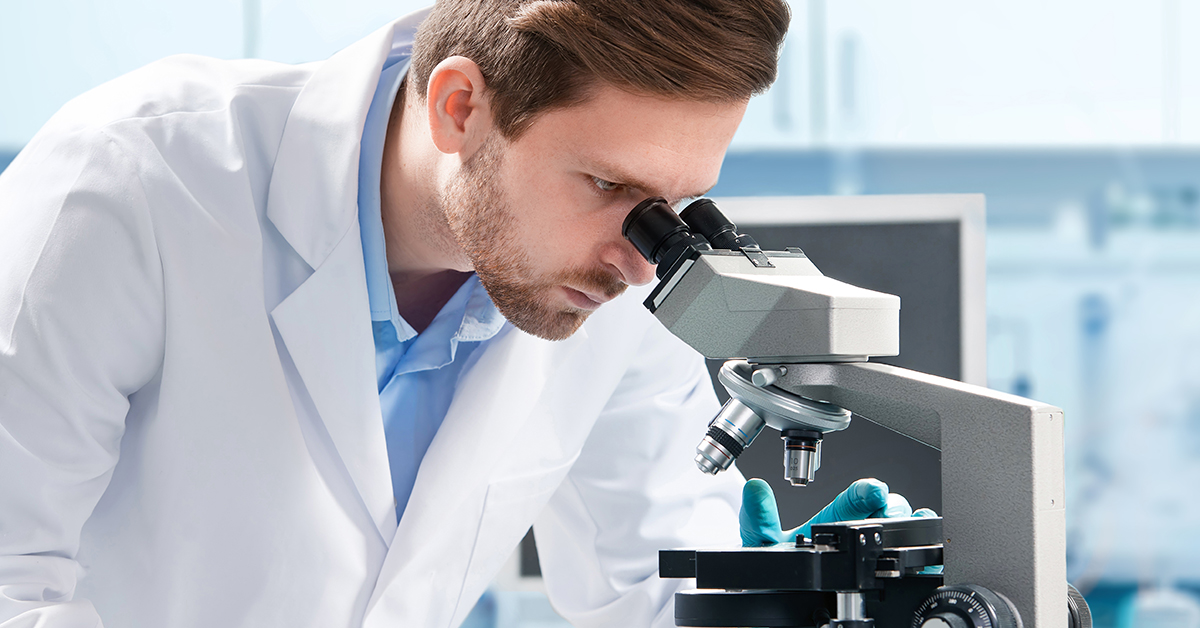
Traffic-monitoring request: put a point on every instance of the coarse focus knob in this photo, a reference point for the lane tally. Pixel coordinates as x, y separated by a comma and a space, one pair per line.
945, 621
965, 606
1078, 613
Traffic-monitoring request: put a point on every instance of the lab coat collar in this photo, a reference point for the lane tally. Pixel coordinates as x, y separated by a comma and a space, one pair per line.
312, 198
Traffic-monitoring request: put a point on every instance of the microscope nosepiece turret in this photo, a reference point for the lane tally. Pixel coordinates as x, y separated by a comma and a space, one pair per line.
754, 404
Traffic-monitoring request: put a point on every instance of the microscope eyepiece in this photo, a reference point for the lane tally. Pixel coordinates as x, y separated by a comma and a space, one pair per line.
658, 233
705, 219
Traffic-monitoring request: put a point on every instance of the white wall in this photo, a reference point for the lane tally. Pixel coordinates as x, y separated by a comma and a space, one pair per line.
1020, 72
854, 72
295, 31
54, 50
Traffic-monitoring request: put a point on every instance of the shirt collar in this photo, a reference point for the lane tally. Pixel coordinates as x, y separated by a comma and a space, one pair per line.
481, 320
470, 311
370, 164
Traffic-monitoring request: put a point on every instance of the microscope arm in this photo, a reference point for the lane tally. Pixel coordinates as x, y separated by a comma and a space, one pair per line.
1002, 473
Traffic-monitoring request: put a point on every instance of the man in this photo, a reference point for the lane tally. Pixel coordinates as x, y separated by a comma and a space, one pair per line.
306, 346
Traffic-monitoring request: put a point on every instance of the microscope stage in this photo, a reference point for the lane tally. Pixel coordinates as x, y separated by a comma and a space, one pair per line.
846, 556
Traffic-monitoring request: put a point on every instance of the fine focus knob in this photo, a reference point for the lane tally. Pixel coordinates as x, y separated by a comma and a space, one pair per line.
965, 606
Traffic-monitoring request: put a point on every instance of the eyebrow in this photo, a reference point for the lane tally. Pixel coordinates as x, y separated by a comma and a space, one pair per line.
605, 170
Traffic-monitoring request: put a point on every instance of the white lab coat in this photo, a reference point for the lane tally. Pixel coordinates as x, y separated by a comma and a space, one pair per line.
190, 433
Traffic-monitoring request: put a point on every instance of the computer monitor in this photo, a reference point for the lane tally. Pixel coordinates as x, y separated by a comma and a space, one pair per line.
927, 249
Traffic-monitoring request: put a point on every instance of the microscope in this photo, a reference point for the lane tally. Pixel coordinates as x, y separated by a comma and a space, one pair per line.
797, 345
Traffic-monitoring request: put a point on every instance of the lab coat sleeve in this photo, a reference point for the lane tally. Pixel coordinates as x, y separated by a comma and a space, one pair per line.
81, 331
635, 490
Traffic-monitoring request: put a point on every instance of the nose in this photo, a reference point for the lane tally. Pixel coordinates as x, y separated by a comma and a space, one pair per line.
632, 268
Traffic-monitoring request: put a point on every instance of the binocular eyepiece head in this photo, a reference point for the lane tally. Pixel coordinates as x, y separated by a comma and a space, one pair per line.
658, 233
664, 237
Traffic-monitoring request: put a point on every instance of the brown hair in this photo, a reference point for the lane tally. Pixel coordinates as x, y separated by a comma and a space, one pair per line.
541, 54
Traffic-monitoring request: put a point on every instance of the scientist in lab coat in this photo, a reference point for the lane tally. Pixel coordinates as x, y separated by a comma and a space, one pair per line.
315, 345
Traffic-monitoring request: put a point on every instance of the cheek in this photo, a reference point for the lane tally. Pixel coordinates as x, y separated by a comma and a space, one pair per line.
560, 223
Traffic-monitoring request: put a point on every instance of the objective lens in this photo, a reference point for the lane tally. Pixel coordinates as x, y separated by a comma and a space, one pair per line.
801, 456
731, 432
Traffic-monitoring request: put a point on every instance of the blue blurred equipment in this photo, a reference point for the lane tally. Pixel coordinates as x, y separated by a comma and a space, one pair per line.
864, 499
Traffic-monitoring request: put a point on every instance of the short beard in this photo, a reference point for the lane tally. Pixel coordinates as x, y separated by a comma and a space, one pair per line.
484, 226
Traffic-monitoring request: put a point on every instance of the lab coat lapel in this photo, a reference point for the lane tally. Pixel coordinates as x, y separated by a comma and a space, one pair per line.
484, 430
326, 328
325, 323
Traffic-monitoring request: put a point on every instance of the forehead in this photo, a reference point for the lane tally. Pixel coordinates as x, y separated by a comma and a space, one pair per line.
672, 147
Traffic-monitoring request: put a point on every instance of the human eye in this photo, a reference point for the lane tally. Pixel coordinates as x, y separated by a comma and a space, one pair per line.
605, 186
682, 203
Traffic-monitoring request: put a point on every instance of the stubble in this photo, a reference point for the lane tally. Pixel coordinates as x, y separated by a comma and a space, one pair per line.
483, 223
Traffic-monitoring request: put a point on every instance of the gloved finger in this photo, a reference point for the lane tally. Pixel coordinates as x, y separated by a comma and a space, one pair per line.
759, 517
897, 506
862, 498
924, 512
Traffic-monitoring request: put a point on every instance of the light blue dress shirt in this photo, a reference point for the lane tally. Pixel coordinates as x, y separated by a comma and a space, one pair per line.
416, 373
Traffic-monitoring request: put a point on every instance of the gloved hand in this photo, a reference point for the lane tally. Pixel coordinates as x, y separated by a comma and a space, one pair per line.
864, 499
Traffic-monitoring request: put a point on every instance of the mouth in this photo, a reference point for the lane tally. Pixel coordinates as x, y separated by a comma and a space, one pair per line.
585, 300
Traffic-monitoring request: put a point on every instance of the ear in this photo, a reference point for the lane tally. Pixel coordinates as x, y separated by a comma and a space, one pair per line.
457, 105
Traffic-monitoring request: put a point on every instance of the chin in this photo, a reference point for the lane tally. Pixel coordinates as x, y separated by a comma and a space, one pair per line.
551, 326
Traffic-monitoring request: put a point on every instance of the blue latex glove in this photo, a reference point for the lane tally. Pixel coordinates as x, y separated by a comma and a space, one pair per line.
864, 499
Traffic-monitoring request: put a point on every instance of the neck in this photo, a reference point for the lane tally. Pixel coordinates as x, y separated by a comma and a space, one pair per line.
424, 260
419, 298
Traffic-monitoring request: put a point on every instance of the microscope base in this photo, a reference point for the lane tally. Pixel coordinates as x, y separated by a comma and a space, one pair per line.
890, 607
876, 561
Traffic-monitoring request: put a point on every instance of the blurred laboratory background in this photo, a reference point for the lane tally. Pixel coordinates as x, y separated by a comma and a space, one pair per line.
1078, 119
